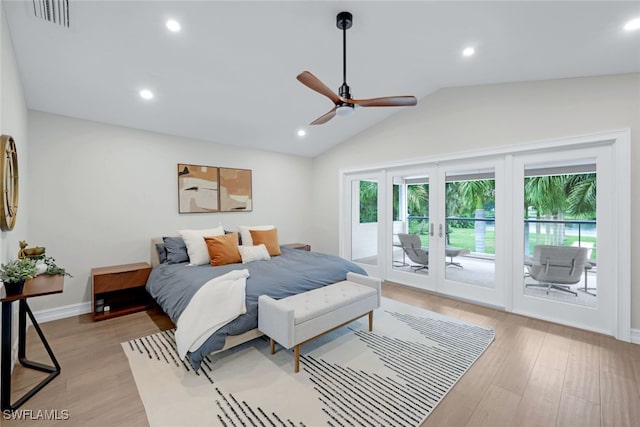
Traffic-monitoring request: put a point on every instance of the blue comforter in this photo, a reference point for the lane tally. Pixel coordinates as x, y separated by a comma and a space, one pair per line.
294, 272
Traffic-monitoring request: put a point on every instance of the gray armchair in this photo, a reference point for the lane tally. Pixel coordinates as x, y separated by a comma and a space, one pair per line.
556, 267
412, 246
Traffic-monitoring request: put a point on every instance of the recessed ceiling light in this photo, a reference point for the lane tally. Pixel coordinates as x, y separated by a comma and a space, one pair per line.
173, 25
634, 24
146, 94
468, 51
302, 132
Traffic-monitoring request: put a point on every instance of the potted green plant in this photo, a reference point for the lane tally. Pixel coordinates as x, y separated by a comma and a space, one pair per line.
52, 268
14, 273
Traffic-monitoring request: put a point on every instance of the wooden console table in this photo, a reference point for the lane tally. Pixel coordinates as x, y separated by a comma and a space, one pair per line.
40, 285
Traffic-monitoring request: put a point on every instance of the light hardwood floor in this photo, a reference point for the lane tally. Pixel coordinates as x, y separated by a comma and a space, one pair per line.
535, 373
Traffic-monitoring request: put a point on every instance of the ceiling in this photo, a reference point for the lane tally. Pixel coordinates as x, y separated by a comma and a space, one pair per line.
229, 76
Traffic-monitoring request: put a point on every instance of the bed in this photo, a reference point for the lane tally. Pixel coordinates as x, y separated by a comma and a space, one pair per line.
295, 271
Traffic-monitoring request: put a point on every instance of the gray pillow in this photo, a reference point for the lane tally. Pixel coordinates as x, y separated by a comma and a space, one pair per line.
239, 237
162, 253
176, 250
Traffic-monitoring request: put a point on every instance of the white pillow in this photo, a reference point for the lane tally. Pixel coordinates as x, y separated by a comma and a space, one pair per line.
253, 253
245, 235
196, 246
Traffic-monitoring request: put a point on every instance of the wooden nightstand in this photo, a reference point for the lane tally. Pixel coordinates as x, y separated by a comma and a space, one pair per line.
301, 246
121, 287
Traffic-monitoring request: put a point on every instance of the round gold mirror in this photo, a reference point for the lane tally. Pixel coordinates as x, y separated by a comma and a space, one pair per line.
9, 183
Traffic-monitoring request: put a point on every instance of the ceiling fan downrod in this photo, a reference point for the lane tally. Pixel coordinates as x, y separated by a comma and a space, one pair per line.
344, 21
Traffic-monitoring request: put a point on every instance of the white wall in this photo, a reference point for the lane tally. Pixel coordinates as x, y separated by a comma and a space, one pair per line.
13, 121
100, 192
472, 118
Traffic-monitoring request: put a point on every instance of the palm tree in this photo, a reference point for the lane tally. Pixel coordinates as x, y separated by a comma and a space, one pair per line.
396, 202
466, 197
477, 192
418, 199
551, 196
581, 198
368, 201
418, 202
547, 195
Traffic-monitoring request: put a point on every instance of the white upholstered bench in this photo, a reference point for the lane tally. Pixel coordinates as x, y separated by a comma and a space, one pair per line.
298, 319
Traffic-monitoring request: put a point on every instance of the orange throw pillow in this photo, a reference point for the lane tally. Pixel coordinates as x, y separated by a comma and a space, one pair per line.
223, 249
267, 237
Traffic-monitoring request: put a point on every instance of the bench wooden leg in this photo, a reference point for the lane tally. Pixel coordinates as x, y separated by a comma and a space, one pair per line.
296, 348
297, 358
272, 342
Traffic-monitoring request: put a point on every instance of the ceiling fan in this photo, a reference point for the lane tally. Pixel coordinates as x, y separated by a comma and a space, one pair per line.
344, 104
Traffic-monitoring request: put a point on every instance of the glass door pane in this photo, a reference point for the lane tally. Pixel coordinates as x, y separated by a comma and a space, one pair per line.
410, 228
364, 221
561, 232
470, 223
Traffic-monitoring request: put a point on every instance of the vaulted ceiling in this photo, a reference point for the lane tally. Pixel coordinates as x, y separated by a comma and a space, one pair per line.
229, 75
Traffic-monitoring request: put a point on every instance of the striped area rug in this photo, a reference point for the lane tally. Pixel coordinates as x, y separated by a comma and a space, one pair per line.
393, 376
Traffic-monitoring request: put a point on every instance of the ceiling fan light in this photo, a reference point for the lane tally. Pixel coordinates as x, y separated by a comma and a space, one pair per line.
146, 94
344, 110
173, 25
469, 51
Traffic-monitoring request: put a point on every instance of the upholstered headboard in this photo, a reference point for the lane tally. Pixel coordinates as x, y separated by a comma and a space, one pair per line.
155, 258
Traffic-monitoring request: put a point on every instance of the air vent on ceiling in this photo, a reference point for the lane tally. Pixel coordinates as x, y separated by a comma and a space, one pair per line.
54, 11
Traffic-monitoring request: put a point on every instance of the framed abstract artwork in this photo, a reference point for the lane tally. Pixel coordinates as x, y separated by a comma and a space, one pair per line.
197, 188
235, 190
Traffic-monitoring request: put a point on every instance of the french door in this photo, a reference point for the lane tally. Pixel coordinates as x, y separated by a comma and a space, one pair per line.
477, 227
451, 213
412, 201
362, 208
470, 212
568, 199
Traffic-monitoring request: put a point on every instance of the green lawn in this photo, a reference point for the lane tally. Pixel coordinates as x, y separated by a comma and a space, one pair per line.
465, 238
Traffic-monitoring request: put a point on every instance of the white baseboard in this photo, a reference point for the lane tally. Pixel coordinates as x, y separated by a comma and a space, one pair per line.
635, 336
50, 314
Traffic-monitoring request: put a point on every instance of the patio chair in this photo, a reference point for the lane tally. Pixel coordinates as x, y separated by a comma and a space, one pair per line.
412, 246
556, 267
451, 252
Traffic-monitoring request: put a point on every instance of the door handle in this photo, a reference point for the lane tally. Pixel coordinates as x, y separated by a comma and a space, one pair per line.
431, 229
439, 230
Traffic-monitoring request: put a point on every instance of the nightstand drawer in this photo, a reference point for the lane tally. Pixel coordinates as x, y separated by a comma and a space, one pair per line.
121, 280
119, 290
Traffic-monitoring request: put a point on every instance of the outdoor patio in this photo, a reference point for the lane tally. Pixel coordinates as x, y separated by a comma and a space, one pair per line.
480, 272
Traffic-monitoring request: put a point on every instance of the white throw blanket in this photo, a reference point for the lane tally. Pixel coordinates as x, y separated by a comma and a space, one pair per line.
215, 304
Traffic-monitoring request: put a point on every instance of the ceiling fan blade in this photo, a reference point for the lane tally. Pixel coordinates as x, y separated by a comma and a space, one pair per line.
325, 117
386, 101
314, 83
